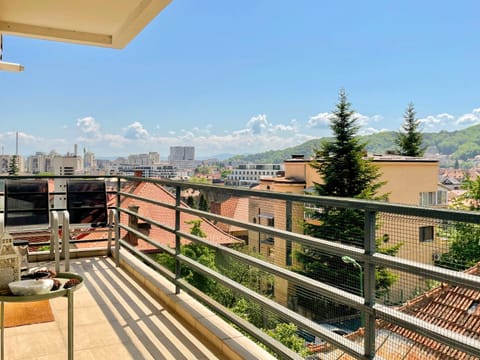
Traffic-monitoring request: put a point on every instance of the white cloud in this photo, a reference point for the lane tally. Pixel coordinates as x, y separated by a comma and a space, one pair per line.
136, 131
88, 125
431, 121
370, 131
258, 134
321, 120
257, 123
445, 116
467, 119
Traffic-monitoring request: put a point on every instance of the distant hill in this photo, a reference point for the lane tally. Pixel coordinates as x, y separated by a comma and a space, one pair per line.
462, 145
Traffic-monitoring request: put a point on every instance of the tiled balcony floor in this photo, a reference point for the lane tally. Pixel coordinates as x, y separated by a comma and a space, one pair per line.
113, 319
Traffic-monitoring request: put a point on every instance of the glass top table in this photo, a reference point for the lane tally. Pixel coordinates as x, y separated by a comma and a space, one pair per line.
68, 293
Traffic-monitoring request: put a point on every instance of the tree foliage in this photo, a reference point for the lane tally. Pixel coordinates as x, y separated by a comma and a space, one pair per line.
287, 335
13, 166
198, 252
202, 203
346, 172
410, 141
341, 162
464, 250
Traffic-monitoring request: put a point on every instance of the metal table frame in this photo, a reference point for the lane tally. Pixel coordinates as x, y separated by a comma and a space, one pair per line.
68, 293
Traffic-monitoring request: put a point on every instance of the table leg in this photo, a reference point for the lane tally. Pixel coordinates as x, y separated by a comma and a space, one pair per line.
70, 324
2, 318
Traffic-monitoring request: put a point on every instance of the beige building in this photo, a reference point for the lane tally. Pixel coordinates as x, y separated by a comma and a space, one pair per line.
410, 181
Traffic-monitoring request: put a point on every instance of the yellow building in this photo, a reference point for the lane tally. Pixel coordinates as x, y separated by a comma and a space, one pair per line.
408, 180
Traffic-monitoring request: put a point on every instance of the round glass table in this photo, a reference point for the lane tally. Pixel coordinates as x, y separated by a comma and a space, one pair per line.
68, 293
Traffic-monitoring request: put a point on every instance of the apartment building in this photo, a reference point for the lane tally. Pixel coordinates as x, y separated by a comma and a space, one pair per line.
144, 159
410, 181
150, 171
182, 157
250, 174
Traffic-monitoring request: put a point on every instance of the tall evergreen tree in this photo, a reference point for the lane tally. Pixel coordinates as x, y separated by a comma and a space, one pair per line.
13, 166
410, 141
346, 172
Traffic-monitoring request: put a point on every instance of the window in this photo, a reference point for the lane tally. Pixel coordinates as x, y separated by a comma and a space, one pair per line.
426, 233
432, 198
442, 197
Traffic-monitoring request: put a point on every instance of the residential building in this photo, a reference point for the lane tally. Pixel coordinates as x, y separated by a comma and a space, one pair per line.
250, 174
144, 159
182, 157
152, 171
234, 208
410, 181
183, 153
67, 165
89, 162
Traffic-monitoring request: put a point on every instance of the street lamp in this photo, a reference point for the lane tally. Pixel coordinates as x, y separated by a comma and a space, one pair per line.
348, 260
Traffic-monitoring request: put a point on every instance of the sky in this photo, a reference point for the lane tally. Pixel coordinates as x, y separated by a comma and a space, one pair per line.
240, 77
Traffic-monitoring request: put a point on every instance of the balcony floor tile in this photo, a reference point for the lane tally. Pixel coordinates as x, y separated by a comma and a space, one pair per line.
113, 319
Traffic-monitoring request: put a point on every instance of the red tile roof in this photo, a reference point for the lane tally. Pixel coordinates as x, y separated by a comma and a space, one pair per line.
161, 214
451, 307
235, 208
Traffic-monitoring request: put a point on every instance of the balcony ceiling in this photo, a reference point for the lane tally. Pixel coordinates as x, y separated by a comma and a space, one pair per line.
107, 23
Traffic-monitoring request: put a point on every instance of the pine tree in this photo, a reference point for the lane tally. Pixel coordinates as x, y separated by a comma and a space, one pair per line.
202, 203
13, 166
410, 141
346, 172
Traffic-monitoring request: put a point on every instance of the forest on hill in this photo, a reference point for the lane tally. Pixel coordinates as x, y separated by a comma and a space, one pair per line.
460, 145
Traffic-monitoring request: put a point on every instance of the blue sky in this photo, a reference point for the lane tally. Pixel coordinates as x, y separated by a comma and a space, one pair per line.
246, 76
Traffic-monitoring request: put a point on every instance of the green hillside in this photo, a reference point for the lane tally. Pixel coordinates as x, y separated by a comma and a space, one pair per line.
462, 145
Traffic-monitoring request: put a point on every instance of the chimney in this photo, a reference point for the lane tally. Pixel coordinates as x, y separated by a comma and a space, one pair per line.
133, 223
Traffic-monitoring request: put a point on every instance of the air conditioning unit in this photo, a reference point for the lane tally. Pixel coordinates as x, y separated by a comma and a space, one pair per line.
436, 256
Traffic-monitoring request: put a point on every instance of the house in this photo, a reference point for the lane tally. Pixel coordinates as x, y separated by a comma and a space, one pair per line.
451, 183
235, 208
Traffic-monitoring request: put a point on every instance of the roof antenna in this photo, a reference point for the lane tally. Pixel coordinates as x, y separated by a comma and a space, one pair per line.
6, 65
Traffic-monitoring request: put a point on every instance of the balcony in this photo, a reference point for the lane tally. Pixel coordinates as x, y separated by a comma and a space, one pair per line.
133, 305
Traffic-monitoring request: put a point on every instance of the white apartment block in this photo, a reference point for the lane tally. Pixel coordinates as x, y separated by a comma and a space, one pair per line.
149, 171
182, 157
250, 174
144, 159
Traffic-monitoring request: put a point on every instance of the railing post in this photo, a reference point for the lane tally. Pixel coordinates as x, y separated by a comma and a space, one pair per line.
288, 227
117, 226
66, 239
177, 238
54, 240
369, 284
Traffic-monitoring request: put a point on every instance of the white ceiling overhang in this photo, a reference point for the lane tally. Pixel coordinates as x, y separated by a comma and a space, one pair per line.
107, 23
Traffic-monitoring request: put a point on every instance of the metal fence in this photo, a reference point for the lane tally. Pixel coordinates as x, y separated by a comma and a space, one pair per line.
329, 278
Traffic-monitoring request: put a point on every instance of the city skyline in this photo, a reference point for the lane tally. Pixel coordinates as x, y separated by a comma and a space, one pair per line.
244, 78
